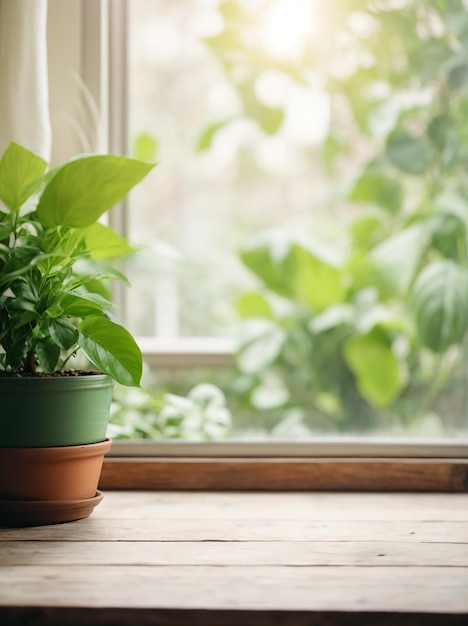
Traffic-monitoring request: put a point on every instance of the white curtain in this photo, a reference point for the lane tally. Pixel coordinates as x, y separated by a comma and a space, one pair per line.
24, 91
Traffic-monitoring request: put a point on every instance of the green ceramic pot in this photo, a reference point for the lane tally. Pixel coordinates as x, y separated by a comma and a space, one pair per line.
54, 411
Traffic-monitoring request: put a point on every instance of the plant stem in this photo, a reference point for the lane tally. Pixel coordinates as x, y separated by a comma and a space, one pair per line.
30, 362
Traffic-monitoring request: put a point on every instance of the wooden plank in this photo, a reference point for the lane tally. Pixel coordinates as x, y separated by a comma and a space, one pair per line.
99, 529
294, 554
269, 559
79, 616
435, 475
316, 506
426, 589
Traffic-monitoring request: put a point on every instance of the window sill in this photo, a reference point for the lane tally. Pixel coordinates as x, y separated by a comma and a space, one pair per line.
286, 474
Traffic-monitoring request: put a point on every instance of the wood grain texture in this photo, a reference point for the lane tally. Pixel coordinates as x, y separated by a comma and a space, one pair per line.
434, 475
273, 506
250, 558
426, 589
227, 553
103, 529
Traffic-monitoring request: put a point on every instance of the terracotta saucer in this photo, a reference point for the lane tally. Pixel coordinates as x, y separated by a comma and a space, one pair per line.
16, 513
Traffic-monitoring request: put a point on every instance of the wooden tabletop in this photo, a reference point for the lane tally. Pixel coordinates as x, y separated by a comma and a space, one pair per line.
225, 559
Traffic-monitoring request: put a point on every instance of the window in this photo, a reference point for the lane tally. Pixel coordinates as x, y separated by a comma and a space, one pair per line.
327, 143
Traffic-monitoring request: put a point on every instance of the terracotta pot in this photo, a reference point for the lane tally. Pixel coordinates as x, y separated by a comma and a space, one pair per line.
16, 513
58, 473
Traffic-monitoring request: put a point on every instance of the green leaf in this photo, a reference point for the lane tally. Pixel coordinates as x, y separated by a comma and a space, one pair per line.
6, 228
371, 313
19, 168
63, 333
103, 242
270, 260
377, 370
397, 258
379, 190
458, 75
452, 203
7, 278
66, 244
450, 237
84, 188
410, 153
90, 272
112, 349
444, 135
85, 304
98, 286
206, 138
439, 304
253, 304
455, 206
24, 318
309, 274
331, 317
48, 353
14, 346
145, 147
367, 231
261, 346
318, 283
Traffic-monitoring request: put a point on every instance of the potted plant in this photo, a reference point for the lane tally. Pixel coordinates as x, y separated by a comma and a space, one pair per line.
52, 259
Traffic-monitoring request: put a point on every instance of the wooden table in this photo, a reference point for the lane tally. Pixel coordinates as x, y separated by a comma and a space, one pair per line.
224, 559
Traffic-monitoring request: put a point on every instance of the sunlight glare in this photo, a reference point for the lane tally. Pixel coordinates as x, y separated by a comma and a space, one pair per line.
286, 27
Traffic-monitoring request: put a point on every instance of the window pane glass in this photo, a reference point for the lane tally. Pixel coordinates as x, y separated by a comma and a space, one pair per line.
209, 404
221, 178
310, 201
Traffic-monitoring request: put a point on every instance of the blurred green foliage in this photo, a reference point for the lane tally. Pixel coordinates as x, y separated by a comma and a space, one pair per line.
371, 330
366, 335
199, 415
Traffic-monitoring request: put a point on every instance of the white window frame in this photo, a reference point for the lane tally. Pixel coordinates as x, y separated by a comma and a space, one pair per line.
96, 50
